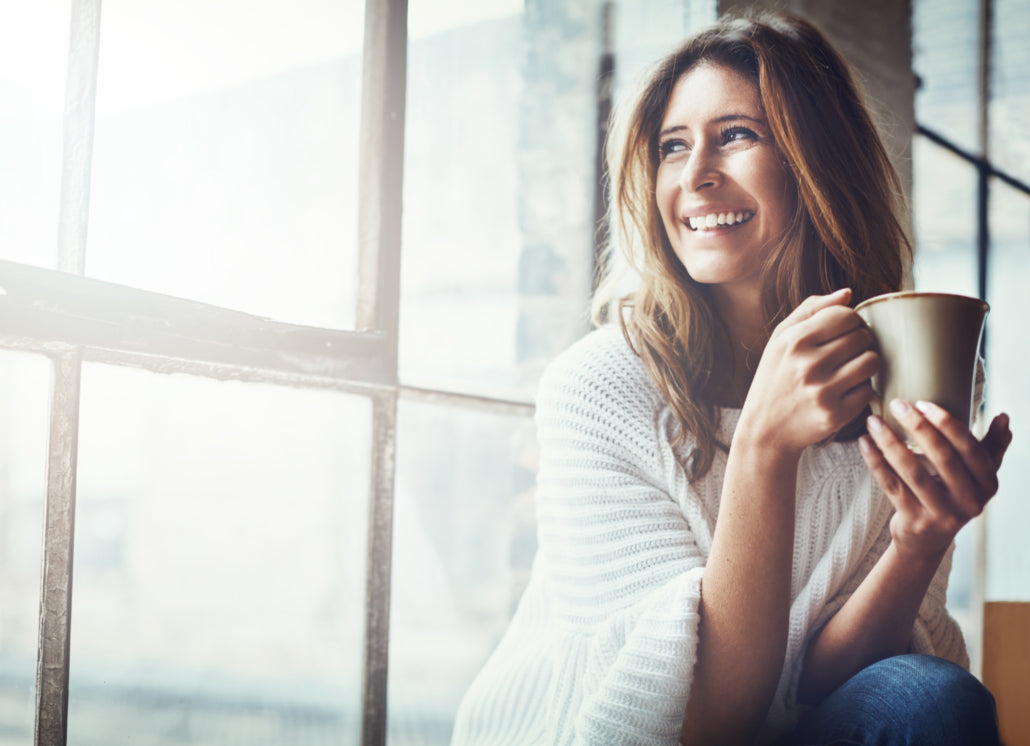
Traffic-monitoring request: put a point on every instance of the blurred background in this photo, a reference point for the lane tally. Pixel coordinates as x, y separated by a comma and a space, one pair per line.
222, 527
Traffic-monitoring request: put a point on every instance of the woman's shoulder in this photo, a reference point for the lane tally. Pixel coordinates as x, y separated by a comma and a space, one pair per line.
600, 368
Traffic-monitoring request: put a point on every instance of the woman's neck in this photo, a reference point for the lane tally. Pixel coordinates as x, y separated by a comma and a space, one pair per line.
742, 315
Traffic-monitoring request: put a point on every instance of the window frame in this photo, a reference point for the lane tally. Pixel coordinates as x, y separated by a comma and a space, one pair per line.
986, 171
73, 319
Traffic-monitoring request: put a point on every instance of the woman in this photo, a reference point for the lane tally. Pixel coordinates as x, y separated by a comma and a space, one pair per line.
723, 559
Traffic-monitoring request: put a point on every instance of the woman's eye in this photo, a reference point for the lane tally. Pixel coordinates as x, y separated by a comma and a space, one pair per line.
737, 134
669, 147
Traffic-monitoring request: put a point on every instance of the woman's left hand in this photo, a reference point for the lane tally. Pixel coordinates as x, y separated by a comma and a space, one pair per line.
931, 508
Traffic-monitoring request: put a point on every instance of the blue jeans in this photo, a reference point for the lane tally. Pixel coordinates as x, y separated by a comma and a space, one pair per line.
905, 700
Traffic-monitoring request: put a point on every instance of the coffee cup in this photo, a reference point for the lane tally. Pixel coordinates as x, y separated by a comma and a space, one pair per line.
929, 345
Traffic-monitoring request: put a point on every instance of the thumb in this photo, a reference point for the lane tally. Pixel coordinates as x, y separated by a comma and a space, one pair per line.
813, 304
998, 438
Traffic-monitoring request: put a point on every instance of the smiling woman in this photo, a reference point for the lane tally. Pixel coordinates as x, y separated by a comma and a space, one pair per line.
715, 557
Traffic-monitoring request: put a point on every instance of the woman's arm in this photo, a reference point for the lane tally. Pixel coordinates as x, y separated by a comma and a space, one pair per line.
876, 621
812, 379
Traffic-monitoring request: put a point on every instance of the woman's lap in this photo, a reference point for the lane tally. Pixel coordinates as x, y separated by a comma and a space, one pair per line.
905, 700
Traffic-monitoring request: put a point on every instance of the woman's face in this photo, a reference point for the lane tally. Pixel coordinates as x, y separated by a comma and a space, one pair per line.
724, 194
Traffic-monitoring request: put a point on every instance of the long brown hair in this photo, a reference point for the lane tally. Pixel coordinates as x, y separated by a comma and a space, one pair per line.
846, 230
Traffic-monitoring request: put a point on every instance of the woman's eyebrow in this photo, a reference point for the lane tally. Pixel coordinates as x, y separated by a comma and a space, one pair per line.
717, 120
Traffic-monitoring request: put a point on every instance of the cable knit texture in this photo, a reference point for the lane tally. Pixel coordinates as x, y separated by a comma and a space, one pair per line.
601, 649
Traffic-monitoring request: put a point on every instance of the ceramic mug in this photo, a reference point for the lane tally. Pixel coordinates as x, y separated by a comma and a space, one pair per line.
929, 344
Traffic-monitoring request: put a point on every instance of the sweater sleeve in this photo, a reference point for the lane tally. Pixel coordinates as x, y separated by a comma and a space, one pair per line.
624, 568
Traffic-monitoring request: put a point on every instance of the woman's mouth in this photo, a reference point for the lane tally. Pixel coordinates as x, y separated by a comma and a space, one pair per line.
719, 219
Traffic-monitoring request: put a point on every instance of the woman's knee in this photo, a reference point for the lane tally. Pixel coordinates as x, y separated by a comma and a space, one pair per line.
938, 699
910, 699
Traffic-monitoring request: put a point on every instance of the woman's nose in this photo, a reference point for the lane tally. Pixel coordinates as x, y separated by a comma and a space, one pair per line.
701, 171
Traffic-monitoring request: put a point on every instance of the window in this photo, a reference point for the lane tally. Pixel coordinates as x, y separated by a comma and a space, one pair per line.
972, 209
288, 470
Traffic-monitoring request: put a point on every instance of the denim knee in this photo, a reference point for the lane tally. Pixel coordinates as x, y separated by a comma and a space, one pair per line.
903, 701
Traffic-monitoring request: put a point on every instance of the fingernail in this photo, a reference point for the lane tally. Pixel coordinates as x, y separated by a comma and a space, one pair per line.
864, 444
874, 423
900, 407
926, 407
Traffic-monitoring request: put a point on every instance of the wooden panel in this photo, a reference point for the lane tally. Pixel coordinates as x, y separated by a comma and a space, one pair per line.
1005, 666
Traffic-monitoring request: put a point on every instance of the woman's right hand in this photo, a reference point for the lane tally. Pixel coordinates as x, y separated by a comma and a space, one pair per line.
813, 377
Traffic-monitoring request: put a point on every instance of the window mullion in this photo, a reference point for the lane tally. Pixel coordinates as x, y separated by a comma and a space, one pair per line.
52, 672
381, 166
380, 187
54, 644
79, 116
378, 569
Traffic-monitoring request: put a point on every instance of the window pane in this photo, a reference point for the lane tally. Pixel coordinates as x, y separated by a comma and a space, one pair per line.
1010, 88
464, 538
944, 214
33, 59
1008, 362
225, 159
219, 562
500, 180
24, 396
498, 203
944, 46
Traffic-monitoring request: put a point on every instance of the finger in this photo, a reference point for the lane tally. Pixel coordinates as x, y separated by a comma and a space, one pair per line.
857, 398
949, 460
858, 368
925, 488
815, 303
892, 485
997, 439
979, 462
838, 331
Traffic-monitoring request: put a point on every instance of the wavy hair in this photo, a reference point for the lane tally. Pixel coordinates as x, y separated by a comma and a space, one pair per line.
846, 229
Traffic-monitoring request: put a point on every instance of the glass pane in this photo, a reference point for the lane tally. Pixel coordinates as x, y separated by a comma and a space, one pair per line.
33, 60
24, 426
1008, 363
498, 204
464, 539
219, 562
1010, 88
225, 159
501, 177
944, 215
945, 40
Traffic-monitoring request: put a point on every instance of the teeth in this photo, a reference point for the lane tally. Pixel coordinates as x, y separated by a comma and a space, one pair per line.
715, 219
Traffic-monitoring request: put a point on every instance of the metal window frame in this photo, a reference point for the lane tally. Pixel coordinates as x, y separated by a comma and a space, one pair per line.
73, 319
986, 171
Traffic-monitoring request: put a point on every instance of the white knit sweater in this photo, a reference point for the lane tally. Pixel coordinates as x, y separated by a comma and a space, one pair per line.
602, 647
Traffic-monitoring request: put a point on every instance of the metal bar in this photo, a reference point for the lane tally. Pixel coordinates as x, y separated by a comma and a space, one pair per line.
54, 310
983, 233
55, 598
79, 115
381, 166
604, 92
377, 579
55, 605
469, 401
976, 160
983, 245
380, 178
